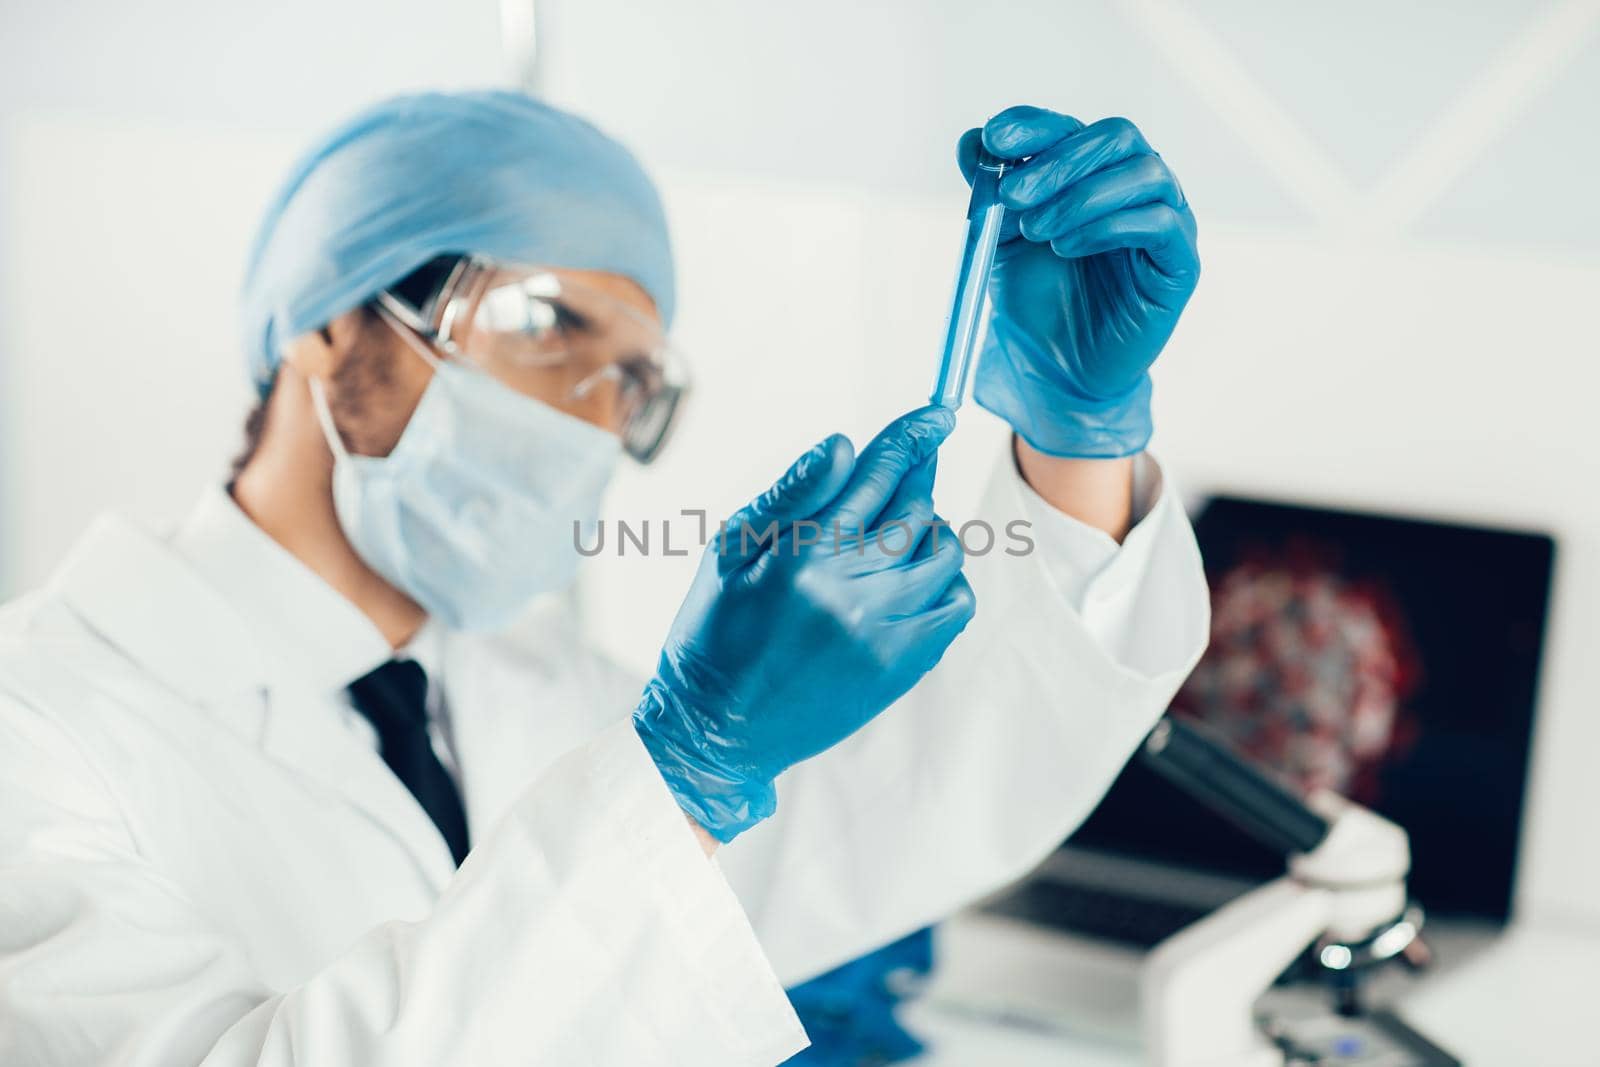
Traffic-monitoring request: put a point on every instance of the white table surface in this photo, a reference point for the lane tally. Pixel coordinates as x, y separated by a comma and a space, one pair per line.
1007, 994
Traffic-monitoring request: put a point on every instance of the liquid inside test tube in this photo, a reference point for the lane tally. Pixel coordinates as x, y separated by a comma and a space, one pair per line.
984, 215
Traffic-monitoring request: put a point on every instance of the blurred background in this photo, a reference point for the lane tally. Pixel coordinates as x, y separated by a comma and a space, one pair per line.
1398, 222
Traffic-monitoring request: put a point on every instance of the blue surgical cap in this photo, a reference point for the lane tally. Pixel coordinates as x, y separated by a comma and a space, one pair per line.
491, 172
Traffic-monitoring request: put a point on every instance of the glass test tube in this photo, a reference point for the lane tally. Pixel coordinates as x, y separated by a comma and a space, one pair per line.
984, 215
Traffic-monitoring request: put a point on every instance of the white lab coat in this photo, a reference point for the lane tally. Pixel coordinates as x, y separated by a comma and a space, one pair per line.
204, 861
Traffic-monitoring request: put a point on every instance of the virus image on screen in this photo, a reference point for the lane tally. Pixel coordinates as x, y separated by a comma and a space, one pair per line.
1307, 674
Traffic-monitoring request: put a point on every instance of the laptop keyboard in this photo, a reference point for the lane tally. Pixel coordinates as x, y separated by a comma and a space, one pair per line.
1102, 913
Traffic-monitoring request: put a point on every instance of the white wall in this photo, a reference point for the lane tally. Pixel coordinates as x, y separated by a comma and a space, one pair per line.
1401, 239
1401, 243
138, 144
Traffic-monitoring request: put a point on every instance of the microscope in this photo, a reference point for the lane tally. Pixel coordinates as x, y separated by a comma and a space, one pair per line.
1343, 900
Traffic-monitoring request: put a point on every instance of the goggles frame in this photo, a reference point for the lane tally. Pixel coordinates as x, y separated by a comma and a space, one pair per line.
435, 301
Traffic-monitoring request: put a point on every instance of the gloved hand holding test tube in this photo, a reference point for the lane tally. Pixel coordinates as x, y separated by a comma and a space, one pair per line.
984, 215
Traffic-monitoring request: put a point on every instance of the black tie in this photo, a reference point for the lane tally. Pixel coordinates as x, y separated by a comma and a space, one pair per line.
394, 698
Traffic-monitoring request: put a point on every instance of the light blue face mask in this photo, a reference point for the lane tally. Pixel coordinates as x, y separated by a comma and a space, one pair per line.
472, 513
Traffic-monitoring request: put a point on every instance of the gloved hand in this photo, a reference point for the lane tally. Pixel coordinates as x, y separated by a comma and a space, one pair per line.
1096, 262
849, 1013
787, 645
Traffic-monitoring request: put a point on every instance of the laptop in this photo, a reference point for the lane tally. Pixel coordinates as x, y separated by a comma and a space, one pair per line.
1392, 659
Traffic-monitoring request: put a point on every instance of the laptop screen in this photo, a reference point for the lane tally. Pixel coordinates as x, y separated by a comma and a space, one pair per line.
1392, 660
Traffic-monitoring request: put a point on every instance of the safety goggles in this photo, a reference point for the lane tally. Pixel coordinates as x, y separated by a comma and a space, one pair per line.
548, 337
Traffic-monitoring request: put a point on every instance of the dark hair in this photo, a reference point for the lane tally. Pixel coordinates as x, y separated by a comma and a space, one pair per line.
354, 373
416, 288
254, 423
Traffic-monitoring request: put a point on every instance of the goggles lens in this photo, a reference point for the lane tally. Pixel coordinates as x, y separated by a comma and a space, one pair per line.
555, 339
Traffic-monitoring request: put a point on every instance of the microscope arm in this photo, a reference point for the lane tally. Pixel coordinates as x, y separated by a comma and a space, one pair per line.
1200, 985
1347, 871
1217, 777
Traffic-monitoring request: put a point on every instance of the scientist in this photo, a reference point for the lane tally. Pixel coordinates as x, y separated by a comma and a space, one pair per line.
288, 786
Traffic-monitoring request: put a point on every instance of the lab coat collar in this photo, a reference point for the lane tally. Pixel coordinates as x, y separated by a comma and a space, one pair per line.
314, 643
225, 618
303, 626
141, 597
221, 609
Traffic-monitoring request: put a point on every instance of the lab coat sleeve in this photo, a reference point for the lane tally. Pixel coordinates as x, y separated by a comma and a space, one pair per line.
587, 928
1001, 751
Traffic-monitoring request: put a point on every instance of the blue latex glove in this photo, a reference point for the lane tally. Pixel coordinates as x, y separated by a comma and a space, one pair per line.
1096, 262
848, 1013
782, 649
